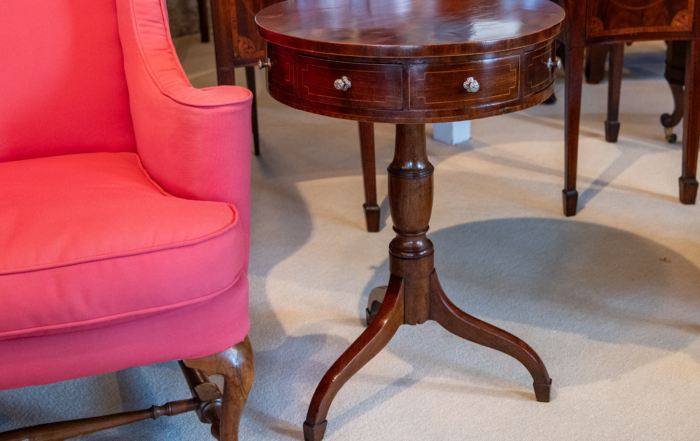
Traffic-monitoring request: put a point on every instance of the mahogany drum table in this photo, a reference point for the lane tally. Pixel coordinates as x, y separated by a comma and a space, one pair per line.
412, 62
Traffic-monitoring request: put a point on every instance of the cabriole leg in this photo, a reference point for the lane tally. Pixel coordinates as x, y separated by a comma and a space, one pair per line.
237, 367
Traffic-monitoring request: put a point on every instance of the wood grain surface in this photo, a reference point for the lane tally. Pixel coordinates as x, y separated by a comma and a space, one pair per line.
409, 28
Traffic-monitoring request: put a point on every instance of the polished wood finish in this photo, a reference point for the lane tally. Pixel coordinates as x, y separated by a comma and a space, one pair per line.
537, 73
370, 343
443, 311
250, 80
238, 44
423, 52
223, 16
237, 367
426, 64
612, 125
203, 10
621, 18
374, 86
614, 22
369, 173
414, 294
572, 116
675, 75
408, 28
206, 392
431, 90
222, 411
435, 86
687, 182
75, 428
596, 55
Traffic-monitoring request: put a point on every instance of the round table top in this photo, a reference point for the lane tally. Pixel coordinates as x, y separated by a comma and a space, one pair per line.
409, 28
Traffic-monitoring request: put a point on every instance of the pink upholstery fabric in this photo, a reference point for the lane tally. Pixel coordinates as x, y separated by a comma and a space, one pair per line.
194, 143
89, 239
90, 91
195, 331
62, 76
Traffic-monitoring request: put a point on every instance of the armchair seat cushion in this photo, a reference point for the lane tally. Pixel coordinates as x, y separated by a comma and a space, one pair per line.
89, 240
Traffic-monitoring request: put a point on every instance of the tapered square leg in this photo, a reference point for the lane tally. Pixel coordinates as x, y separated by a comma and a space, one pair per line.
612, 125
372, 211
688, 184
574, 79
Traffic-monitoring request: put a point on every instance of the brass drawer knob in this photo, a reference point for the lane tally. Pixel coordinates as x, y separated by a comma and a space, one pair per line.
342, 84
555, 64
471, 85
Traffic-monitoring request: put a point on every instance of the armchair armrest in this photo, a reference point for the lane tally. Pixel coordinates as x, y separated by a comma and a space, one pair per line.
194, 143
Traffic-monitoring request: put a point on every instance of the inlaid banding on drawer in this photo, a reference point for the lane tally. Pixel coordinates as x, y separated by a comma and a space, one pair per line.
373, 86
438, 86
537, 74
281, 75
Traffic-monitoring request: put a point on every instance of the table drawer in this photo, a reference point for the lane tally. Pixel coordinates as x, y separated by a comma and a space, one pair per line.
538, 74
441, 86
372, 86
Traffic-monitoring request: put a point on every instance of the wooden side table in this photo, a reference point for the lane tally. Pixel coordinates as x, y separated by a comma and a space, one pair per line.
412, 62
238, 44
614, 23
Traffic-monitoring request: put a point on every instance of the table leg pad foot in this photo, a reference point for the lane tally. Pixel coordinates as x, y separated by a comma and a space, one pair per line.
315, 433
543, 391
688, 190
372, 214
570, 199
612, 129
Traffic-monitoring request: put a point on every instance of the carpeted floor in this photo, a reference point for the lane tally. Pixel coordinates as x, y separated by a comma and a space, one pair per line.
610, 299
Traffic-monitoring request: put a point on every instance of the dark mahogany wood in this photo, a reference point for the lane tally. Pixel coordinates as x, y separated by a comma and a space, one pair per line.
408, 28
411, 62
638, 17
238, 44
688, 184
250, 80
203, 10
443, 311
430, 91
675, 75
75, 428
612, 125
596, 55
222, 411
369, 344
374, 86
369, 173
614, 22
237, 367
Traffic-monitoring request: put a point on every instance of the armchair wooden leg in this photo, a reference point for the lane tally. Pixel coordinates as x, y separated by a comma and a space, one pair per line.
237, 368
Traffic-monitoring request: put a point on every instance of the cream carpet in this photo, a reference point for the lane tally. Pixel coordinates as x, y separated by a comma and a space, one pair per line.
610, 299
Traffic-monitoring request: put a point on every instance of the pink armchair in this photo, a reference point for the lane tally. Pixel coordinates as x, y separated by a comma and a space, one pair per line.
124, 209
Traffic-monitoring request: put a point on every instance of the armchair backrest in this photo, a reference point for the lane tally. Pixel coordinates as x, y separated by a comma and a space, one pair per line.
62, 84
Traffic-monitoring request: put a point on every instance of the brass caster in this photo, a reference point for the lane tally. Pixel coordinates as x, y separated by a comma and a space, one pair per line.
670, 136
